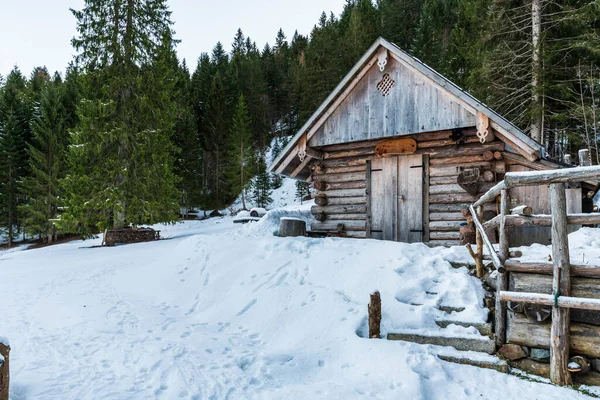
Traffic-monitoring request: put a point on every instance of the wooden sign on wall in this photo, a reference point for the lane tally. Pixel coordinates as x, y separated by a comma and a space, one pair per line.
395, 147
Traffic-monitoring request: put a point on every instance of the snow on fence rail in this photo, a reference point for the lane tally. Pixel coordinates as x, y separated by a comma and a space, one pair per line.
561, 269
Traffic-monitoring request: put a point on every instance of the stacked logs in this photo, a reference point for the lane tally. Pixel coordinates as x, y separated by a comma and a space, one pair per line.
340, 180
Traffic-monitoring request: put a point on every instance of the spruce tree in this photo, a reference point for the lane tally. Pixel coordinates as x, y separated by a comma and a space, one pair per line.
260, 193
241, 167
122, 153
47, 164
302, 189
15, 113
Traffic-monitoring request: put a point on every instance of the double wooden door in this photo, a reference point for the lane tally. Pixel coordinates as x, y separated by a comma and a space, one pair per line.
396, 198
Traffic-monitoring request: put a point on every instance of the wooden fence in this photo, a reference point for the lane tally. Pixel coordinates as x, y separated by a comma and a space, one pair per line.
560, 267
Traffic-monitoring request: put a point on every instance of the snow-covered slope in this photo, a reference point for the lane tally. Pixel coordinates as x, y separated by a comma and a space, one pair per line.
223, 311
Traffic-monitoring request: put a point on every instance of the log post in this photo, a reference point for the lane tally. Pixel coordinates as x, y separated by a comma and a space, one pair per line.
584, 158
375, 316
567, 159
561, 286
4, 370
479, 243
502, 280
292, 227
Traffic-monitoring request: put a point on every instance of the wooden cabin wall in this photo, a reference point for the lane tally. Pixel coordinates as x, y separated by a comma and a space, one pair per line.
341, 180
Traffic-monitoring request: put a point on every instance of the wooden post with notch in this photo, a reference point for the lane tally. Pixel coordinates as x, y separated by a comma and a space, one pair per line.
375, 316
479, 243
4, 371
502, 279
561, 286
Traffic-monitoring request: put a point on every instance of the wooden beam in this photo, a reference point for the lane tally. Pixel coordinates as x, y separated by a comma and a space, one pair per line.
490, 195
515, 179
548, 300
486, 240
547, 268
502, 279
518, 145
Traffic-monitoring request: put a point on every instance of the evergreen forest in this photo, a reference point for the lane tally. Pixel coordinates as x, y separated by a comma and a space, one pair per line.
128, 134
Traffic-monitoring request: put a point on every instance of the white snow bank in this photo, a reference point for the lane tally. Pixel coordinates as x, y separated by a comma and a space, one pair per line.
227, 311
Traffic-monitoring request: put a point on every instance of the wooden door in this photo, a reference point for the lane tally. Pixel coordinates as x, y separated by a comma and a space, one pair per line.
396, 198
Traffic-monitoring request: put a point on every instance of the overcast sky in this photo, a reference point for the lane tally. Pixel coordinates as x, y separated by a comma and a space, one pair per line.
39, 32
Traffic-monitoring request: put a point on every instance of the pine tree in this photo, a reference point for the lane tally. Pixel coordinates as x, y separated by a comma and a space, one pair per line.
260, 193
240, 155
47, 164
302, 190
15, 113
122, 152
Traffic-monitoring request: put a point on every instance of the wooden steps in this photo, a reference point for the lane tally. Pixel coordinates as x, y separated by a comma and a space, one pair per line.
496, 364
485, 329
482, 345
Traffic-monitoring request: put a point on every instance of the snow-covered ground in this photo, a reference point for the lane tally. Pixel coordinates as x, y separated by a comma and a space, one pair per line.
226, 311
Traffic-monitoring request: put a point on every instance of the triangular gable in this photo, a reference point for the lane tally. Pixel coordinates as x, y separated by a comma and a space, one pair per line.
425, 100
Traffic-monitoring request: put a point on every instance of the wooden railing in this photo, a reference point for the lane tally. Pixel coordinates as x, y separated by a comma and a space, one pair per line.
560, 268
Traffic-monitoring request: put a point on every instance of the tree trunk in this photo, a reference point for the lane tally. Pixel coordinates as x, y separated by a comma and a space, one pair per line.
537, 111
292, 227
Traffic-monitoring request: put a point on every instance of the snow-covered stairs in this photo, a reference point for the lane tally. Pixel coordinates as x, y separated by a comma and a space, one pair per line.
481, 345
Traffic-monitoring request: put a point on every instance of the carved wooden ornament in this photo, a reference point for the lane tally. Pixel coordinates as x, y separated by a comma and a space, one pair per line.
483, 126
382, 58
396, 146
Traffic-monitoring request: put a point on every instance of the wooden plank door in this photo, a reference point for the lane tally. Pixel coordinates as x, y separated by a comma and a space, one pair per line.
410, 198
396, 198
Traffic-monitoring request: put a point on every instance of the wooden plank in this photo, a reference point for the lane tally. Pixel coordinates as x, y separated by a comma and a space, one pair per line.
446, 216
341, 209
345, 162
435, 235
396, 147
376, 198
549, 300
343, 169
349, 225
346, 201
445, 243
561, 286
325, 186
585, 338
352, 217
369, 189
473, 158
457, 189
442, 180
366, 151
452, 198
547, 268
425, 209
444, 142
342, 177
343, 193
463, 150
455, 169
390, 196
446, 225
448, 207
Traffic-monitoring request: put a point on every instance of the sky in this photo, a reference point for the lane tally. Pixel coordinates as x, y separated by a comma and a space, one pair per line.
38, 32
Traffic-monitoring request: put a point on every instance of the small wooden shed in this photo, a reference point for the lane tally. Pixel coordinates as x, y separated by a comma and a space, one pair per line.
396, 151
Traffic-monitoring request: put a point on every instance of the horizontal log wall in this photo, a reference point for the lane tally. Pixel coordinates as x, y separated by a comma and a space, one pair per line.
340, 179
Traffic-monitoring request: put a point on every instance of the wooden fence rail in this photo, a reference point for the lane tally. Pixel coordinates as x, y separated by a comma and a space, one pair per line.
560, 268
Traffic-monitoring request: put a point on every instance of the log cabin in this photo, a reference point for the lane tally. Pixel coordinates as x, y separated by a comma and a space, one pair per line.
397, 151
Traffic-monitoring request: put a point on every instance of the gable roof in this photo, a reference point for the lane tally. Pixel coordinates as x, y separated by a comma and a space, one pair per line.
286, 165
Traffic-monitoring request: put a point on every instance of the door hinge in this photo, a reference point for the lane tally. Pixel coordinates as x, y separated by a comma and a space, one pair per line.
376, 231
375, 170
417, 166
417, 230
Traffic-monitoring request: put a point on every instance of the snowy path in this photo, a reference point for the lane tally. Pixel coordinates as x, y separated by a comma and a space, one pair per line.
220, 311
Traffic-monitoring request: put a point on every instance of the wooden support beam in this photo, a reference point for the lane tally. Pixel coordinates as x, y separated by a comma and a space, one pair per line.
486, 240
515, 179
548, 300
547, 268
561, 286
